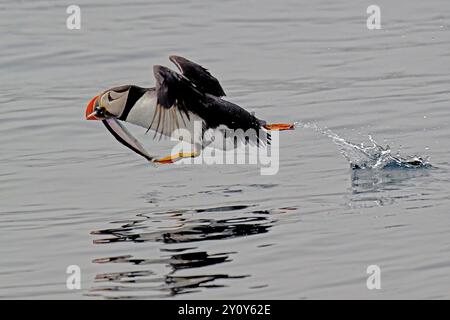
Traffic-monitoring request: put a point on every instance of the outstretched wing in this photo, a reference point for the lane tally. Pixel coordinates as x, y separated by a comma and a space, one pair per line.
178, 102
199, 76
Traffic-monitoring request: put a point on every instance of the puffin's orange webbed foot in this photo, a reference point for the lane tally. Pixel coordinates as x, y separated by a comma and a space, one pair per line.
280, 126
176, 157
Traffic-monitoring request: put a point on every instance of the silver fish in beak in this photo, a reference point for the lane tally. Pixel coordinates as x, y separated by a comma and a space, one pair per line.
126, 138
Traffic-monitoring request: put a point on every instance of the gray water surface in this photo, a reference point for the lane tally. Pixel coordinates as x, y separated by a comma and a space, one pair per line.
71, 195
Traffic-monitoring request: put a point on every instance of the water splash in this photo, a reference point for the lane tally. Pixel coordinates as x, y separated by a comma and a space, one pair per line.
373, 156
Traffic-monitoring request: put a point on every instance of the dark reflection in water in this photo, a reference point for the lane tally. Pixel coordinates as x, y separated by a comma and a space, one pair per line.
185, 228
383, 187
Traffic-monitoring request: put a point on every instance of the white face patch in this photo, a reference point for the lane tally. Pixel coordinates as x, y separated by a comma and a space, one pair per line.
114, 102
115, 95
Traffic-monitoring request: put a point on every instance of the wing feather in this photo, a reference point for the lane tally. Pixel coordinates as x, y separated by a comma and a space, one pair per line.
203, 80
177, 101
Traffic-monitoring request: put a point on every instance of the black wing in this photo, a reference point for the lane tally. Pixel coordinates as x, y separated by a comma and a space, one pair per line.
178, 98
177, 101
199, 76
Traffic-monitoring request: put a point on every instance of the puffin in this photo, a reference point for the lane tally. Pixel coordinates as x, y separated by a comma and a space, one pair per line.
191, 100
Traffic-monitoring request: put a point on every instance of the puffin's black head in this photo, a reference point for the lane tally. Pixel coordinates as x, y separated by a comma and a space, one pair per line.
198, 75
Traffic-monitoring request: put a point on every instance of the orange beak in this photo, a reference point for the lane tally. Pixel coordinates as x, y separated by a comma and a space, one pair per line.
90, 113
